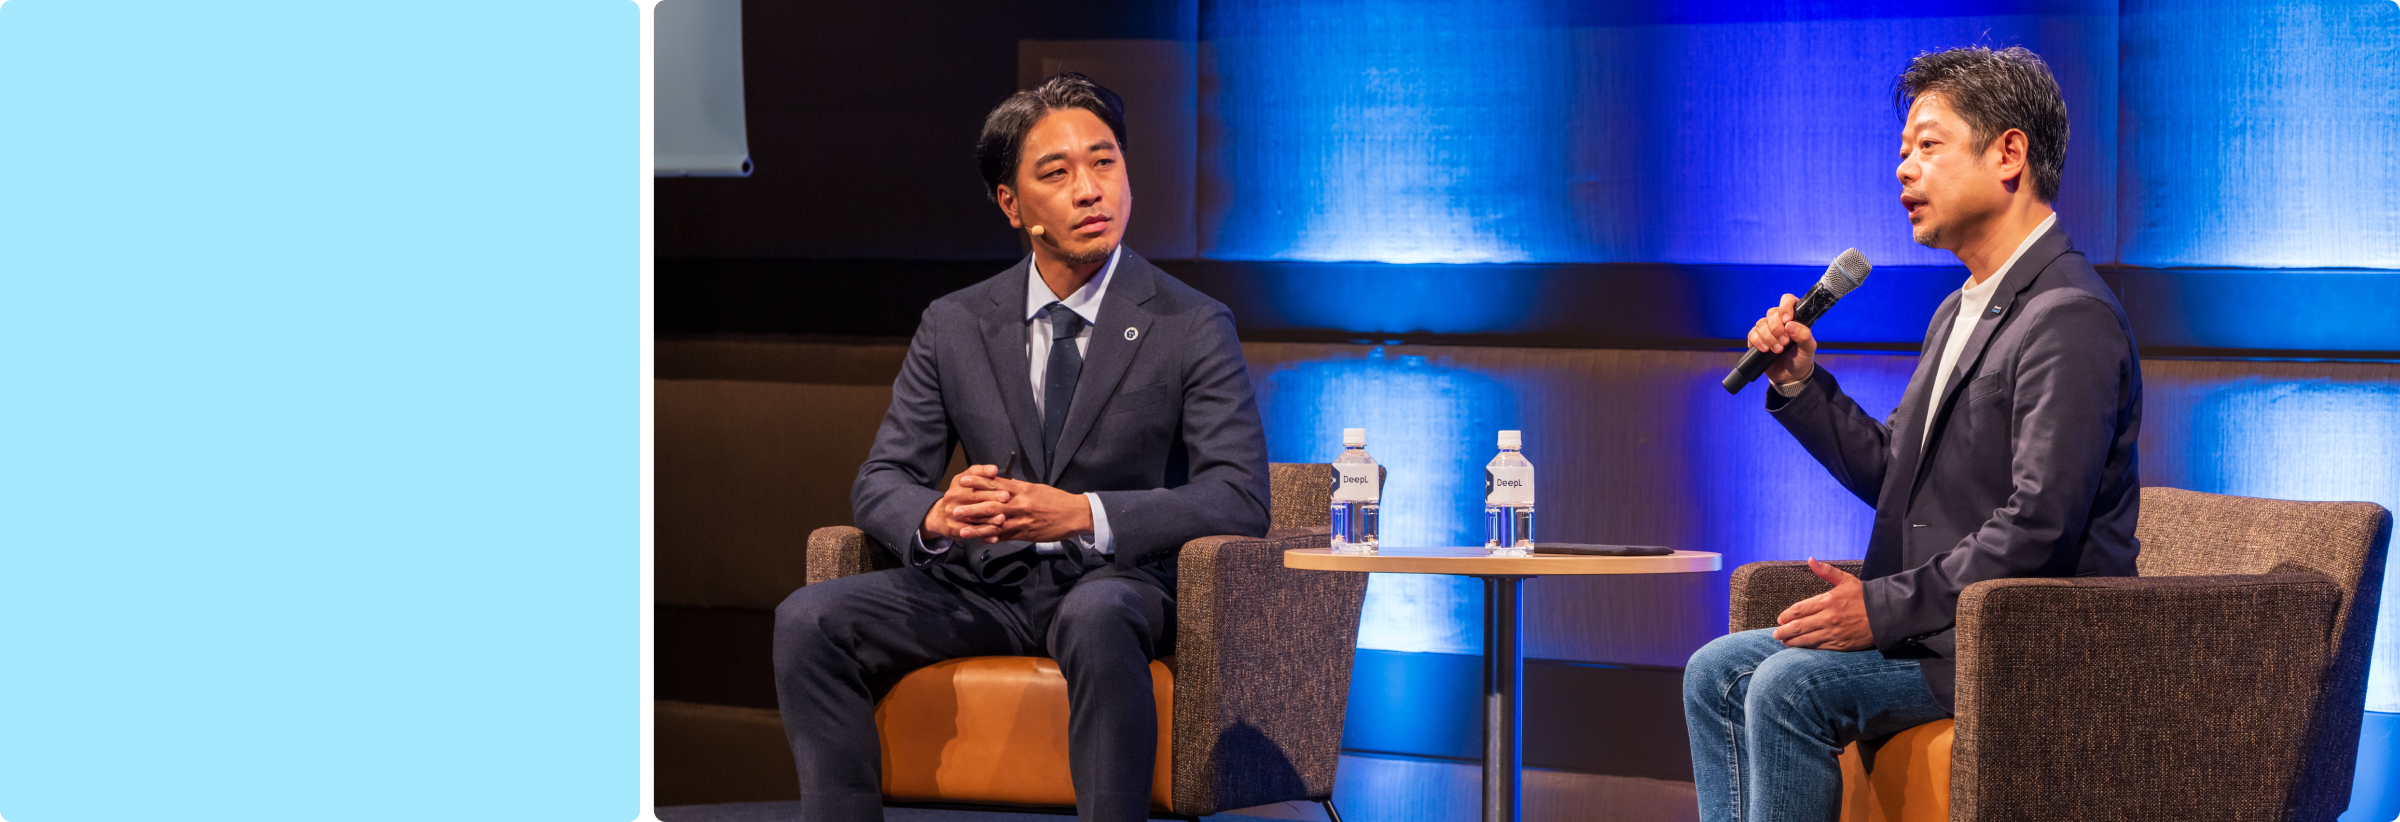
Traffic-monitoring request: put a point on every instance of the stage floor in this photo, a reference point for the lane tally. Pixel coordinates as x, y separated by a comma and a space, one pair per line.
1367, 789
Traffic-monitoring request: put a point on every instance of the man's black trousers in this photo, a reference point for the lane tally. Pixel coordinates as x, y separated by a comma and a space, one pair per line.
841, 644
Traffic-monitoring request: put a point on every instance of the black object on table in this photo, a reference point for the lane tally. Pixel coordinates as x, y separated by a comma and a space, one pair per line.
1583, 549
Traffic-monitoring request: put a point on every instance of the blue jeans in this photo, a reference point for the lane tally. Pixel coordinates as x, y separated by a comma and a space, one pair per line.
1768, 723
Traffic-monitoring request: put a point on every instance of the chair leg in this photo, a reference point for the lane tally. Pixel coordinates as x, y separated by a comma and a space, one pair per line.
1330, 813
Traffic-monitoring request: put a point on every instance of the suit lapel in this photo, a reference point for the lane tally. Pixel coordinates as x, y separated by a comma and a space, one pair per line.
2020, 276
1004, 345
1119, 332
1917, 403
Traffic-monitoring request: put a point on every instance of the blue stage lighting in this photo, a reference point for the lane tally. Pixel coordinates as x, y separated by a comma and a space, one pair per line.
1543, 131
1428, 424
1390, 299
2309, 440
2251, 308
2261, 134
1804, 512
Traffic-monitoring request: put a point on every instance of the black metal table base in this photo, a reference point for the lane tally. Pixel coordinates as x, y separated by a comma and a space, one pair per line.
1503, 697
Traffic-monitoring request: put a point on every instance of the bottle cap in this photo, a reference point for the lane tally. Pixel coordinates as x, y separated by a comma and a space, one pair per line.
1354, 436
1512, 439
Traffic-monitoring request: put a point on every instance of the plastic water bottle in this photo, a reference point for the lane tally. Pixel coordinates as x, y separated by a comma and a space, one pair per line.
1508, 500
1357, 496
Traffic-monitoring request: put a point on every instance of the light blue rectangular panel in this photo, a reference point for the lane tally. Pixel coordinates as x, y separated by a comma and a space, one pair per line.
2378, 759
1635, 447
2306, 431
2316, 439
319, 474
1542, 131
2261, 134
1434, 425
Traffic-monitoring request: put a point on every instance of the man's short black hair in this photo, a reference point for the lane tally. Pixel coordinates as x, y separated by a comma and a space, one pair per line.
1003, 140
1995, 91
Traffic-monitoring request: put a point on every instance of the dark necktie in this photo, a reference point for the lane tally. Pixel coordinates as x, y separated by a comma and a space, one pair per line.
1058, 383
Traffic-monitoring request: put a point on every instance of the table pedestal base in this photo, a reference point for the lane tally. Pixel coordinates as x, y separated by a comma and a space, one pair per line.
1503, 627
1503, 692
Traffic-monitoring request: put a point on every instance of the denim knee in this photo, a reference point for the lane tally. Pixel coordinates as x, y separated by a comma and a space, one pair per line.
1707, 671
1791, 680
1713, 669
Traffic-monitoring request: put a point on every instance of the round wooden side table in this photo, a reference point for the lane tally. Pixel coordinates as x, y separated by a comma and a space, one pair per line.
1503, 622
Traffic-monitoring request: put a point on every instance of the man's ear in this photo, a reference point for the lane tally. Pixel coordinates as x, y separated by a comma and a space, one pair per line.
2012, 146
1007, 197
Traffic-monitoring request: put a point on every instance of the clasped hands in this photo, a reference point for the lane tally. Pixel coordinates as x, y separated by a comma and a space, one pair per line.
1832, 621
981, 505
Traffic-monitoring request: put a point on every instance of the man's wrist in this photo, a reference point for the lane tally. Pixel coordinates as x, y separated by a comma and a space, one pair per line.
1792, 389
930, 547
930, 528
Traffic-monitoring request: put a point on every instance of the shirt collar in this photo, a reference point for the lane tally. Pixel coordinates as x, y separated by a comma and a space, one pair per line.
1085, 302
1981, 294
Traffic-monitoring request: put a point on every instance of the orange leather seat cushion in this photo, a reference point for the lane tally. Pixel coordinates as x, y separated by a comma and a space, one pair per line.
992, 730
1910, 782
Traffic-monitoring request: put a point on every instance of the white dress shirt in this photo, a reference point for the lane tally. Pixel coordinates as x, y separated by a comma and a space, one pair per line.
1972, 300
1085, 302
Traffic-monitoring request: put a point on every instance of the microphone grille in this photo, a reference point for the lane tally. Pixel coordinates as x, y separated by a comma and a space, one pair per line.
1847, 272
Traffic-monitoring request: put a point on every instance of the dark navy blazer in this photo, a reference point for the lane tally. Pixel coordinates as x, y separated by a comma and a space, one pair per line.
2029, 467
1164, 424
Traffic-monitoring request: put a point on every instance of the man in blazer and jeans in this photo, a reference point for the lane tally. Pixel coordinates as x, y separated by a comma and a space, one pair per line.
2011, 454
1107, 418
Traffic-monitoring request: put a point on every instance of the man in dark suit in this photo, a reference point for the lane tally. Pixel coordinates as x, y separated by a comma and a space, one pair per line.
2010, 455
1108, 418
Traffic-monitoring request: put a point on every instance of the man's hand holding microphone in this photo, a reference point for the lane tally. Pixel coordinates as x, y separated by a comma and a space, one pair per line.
1780, 334
1789, 322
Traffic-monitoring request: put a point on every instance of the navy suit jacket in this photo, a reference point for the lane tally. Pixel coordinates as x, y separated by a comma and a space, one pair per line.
2029, 467
1163, 427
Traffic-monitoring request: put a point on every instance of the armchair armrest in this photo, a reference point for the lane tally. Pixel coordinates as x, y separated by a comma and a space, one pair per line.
842, 551
1761, 590
1300, 493
2165, 697
1262, 677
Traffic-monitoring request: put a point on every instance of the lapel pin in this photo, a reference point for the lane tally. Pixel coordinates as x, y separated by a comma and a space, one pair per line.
1995, 309
1132, 332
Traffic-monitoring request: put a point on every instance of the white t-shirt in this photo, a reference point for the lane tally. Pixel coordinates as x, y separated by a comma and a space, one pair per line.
1972, 300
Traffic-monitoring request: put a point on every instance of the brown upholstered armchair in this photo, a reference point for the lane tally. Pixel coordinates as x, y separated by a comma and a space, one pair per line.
1250, 707
2224, 682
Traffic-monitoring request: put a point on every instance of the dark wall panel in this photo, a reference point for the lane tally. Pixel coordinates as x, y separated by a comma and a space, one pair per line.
2287, 314
863, 119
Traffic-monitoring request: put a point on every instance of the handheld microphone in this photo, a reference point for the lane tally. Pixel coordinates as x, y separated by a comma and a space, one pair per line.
1847, 272
1034, 230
